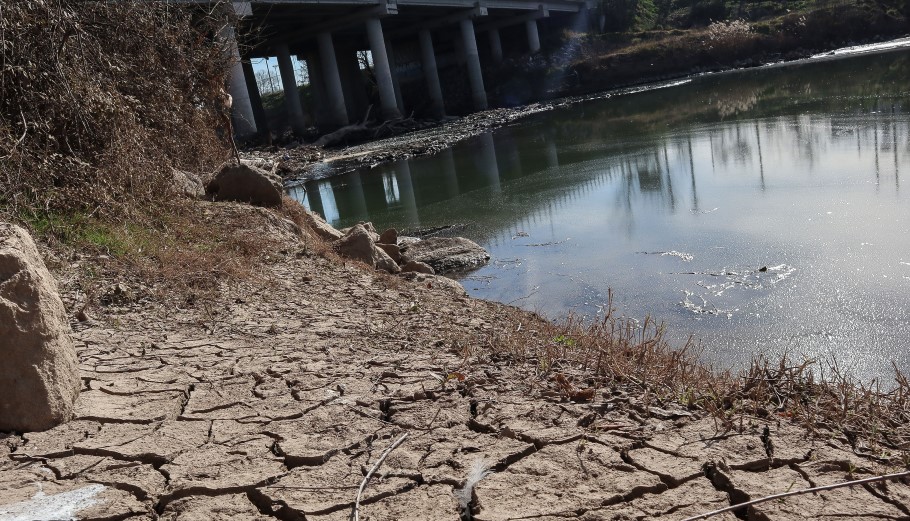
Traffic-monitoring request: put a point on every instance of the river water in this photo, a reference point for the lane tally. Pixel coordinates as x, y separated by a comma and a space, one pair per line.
760, 211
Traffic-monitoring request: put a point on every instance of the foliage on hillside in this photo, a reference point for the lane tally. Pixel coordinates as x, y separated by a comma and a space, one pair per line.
645, 15
98, 100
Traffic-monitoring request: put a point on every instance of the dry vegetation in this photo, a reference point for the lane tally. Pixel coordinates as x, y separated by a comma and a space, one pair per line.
99, 102
617, 353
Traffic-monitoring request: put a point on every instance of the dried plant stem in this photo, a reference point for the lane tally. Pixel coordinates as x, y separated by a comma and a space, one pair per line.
863, 481
355, 515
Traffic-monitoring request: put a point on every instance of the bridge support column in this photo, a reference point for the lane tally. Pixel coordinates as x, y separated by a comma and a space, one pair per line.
399, 100
291, 93
495, 46
243, 119
249, 75
475, 74
317, 86
337, 115
533, 36
389, 107
430, 73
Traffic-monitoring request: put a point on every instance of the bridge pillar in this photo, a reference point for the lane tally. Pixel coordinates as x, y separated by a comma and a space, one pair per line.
399, 100
291, 93
249, 75
475, 74
389, 106
243, 119
430, 73
533, 36
317, 86
352, 84
495, 46
337, 115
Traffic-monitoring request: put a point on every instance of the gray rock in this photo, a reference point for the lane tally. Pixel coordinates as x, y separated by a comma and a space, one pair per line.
321, 227
39, 375
389, 236
418, 267
447, 254
246, 184
188, 184
384, 261
435, 281
358, 244
391, 250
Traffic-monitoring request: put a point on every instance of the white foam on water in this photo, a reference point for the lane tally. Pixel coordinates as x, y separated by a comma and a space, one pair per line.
872, 47
54, 507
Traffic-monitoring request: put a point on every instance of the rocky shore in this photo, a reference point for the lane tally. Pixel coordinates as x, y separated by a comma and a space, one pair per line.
276, 399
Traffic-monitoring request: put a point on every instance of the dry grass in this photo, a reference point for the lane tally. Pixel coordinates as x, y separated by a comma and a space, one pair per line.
98, 100
616, 352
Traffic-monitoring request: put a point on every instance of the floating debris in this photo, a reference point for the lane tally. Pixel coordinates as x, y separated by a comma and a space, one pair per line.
686, 257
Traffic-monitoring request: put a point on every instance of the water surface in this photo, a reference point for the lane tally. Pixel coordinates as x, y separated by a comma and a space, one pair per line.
759, 210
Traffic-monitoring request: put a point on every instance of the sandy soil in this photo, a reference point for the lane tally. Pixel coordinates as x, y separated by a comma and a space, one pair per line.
276, 399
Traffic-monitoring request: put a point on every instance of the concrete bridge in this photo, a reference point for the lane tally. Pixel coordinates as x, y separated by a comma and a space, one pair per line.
408, 40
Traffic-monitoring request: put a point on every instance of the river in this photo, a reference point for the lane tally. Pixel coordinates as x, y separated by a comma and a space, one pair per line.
759, 210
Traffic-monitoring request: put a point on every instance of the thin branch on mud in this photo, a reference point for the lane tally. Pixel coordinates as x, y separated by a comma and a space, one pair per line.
355, 515
863, 481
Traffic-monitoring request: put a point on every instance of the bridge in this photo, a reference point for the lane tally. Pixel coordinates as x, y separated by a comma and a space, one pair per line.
407, 39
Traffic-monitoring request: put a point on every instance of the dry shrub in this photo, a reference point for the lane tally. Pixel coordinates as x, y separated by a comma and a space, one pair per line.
98, 100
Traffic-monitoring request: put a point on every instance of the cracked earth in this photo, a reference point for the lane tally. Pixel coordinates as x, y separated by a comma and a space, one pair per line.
274, 403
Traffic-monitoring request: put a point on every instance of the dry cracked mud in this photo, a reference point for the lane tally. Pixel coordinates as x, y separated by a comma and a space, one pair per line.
275, 402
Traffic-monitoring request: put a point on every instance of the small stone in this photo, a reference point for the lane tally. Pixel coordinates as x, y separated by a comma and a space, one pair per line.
389, 236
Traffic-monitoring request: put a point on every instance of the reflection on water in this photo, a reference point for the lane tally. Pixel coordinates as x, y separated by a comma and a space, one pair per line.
760, 210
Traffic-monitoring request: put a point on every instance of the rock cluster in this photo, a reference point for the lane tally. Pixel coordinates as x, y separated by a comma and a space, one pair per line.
394, 254
39, 376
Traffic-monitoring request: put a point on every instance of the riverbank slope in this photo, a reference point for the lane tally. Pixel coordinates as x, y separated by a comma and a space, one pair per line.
274, 396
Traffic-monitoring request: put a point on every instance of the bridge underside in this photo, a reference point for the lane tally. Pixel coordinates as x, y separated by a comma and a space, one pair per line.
410, 42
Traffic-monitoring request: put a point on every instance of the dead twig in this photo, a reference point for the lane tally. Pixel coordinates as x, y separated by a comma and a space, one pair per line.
355, 515
863, 481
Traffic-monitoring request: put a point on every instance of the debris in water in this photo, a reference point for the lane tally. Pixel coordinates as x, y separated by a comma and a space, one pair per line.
686, 257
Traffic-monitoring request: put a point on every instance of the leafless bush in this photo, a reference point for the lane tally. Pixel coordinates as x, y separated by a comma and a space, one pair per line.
729, 34
98, 100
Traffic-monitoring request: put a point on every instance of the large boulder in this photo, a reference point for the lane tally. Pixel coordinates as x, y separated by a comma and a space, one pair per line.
358, 244
246, 184
446, 254
39, 375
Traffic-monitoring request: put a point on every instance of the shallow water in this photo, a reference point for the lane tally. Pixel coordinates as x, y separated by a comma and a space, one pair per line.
759, 210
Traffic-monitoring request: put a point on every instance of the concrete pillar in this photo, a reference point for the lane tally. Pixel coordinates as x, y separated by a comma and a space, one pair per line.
317, 86
393, 68
431, 74
291, 94
475, 75
533, 36
337, 113
249, 75
495, 46
243, 119
352, 84
387, 102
